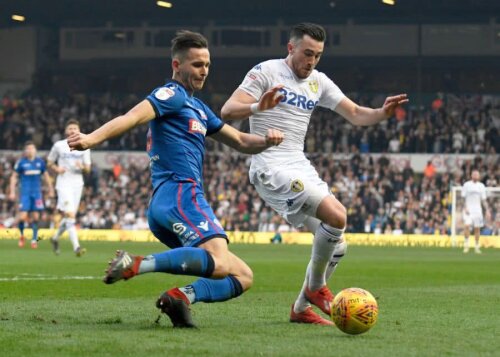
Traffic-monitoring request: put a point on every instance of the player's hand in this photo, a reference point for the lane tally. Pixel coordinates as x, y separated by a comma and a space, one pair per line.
78, 141
274, 137
271, 98
391, 103
59, 170
12, 196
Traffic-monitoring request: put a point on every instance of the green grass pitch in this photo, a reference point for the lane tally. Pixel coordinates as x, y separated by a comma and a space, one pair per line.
432, 301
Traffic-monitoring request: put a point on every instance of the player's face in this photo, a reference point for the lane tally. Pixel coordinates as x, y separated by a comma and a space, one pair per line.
30, 151
475, 175
192, 70
304, 55
72, 129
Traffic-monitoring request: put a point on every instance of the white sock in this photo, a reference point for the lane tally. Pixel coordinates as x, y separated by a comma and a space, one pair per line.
318, 251
73, 236
338, 253
60, 230
301, 304
189, 292
466, 242
477, 244
325, 240
147, 265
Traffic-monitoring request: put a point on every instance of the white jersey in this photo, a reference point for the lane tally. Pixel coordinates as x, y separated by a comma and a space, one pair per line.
473, 192
293, 113
69, 160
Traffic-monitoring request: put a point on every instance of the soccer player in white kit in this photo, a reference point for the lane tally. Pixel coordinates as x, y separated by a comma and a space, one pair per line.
474, 194
283, 176
70, 167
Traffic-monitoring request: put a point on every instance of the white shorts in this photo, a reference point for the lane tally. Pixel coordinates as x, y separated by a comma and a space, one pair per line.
473, 219
294, 192
68, 199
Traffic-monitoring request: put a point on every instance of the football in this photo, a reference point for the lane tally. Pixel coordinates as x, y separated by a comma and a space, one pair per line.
354, 311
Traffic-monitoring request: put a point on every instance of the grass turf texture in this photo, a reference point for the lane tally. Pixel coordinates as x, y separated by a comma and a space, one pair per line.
432, 301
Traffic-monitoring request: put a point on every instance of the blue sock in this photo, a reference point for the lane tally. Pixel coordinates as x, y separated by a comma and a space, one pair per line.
213, 290
184, 261
21, 228
34, 226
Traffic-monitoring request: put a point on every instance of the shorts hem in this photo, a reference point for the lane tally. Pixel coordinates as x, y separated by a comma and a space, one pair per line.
206, 239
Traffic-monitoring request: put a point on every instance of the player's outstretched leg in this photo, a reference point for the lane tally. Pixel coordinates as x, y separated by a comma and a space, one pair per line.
229, 275
181, 261
175, 302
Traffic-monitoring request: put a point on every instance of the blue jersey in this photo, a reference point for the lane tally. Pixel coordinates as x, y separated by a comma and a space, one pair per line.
30, 183
176, 137
30, 175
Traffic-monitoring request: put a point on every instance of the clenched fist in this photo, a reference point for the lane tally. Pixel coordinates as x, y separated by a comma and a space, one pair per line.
78, 141
274, 137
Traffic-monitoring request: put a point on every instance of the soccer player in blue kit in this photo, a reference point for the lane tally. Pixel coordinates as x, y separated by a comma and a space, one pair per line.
179, 215
29, 172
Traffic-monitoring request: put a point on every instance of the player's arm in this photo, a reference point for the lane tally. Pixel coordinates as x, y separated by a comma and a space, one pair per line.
363, 116
464, 197
12, 185
484, 203
52, 159
248, 143
51, 165
48, 183
86, 169
140, 114
241, 104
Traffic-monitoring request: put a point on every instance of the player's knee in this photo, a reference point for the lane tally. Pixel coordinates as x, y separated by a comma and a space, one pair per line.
221, 267
338, 218
246, 278
332, 213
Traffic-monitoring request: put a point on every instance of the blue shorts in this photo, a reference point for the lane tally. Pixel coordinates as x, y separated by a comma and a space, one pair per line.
179, 215
31, 202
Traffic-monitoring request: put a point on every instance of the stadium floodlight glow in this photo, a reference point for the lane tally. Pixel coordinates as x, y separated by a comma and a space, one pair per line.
19, 18
164, 4
389, 2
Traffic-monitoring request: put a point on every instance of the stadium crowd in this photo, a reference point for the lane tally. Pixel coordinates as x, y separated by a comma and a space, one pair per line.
448, 124
379, 197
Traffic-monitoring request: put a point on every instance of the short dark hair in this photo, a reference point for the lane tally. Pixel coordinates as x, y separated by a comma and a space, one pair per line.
72, 121
316, 32
184, 40
29, 142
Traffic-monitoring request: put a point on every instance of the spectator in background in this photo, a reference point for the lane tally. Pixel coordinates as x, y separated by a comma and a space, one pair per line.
430, 170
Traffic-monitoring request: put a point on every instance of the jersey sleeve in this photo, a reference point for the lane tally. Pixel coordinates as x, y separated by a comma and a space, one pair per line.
214, 123
464, 190
166, 100
53, 154
331, 94
256, 82
86, 157
17, 167
43, 166
483, 192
